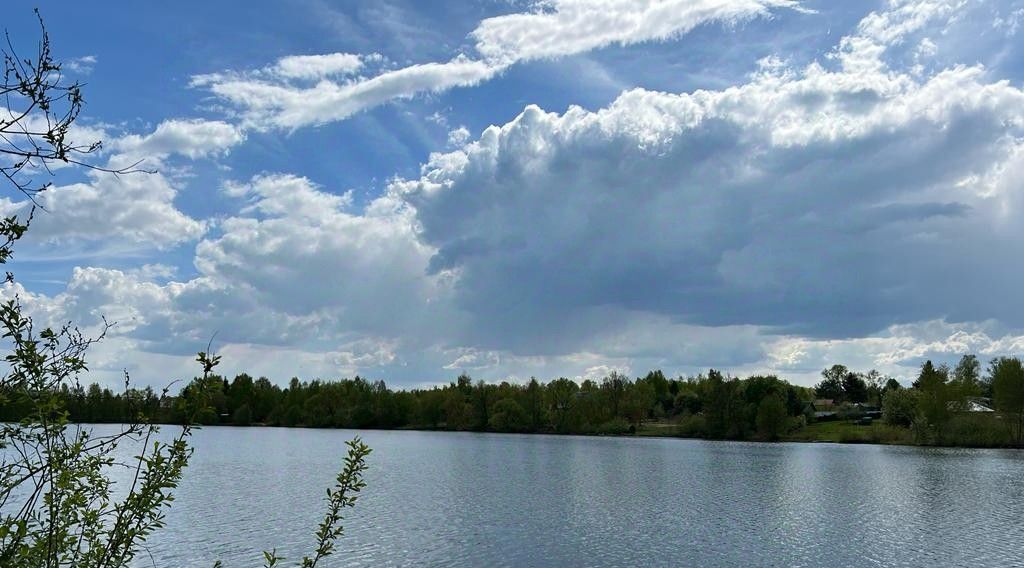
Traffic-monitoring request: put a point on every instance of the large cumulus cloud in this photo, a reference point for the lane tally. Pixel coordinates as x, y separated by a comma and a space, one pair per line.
831, 201
133, 211
862, 209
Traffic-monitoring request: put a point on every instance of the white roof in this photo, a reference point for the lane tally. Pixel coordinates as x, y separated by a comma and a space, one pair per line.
977, 407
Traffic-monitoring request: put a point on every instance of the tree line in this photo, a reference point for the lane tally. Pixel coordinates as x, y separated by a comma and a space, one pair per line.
727, 407
709, 405
938, 406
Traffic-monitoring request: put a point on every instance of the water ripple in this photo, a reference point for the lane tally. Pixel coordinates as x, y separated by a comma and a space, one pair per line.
459, 499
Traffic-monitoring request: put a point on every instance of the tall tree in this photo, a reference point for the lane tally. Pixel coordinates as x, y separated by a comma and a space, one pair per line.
723, 408
967, 376
831, 385
934, 399
561, 397
855, 388
614, 388
771, 417
1007, 377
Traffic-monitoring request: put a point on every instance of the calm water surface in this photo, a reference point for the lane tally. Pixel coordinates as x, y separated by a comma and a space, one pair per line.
460, 499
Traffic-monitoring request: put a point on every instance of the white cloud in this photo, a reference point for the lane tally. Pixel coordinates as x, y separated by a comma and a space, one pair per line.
131, 212
317, 66
897, 351
271, 97
598, 372
863, 50
1010, 23
126, 213
302, 251
192, 138
82, 65
566, 27
470, 359
852, 210
458, 137
285, 105
815, 200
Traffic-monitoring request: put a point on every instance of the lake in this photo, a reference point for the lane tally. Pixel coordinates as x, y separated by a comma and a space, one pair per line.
462, 499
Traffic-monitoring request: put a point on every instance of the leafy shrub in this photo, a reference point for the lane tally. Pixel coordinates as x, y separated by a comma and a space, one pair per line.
614, 427
899, 407
691, 426
978, 430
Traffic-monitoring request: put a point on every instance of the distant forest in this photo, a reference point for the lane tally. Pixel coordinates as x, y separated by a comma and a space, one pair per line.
711, 405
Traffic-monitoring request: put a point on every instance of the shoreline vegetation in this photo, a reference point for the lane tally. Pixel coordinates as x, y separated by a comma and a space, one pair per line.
960, 407
57, 501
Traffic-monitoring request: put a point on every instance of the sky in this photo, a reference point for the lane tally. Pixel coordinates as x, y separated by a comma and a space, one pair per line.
412, 190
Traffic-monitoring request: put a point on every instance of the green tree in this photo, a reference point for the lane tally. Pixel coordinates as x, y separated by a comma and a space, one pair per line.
508, 416
535, 404
561, 398
831, 385
242, 416
637, 402
875, 386
772, 418
933, 402
687, 400
458, 413
855, 388
899, 406
724, 413
660, 385
1007, 377
967, 377
614, 389
483, 399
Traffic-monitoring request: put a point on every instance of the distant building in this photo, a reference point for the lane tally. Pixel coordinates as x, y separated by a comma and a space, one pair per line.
978, 404
819, 409
972, 404
824, 404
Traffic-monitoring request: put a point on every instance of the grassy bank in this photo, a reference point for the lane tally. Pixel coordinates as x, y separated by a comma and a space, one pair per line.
966, 431
845, 432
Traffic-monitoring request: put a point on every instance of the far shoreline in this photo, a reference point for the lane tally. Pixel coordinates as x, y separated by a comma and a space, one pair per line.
645, 432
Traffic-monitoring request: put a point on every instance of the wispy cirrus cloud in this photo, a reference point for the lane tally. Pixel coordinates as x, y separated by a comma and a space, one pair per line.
299, 91
568, 27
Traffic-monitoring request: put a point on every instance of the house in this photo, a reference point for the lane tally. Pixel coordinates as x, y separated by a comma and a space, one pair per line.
824, 404
866, 410
972, 404
979, 404
821, 409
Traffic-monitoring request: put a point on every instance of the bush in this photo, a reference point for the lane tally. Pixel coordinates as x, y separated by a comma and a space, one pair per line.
614, 427
242, 416
875, 434
691, 426
797, 423
982, 429
508, 416
899, 407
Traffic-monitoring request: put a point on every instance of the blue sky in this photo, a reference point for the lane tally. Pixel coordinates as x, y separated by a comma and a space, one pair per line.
410, 190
